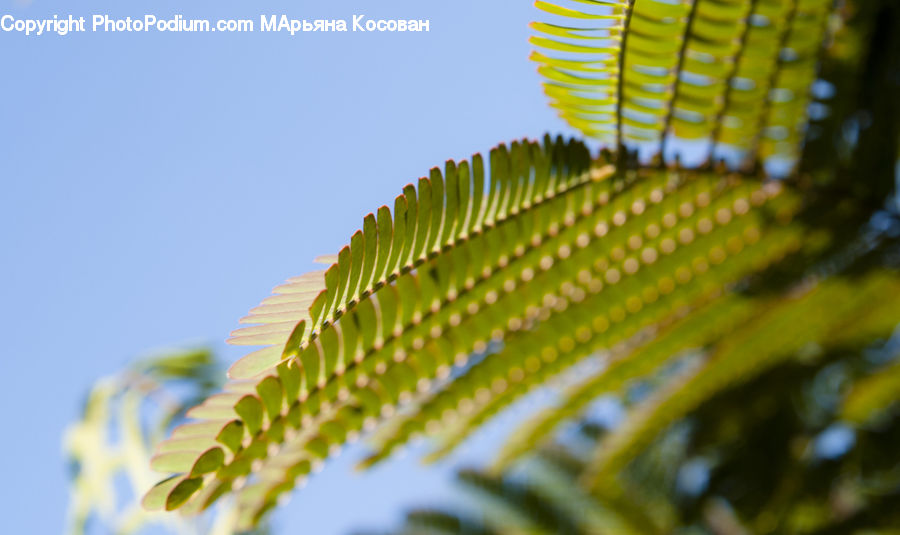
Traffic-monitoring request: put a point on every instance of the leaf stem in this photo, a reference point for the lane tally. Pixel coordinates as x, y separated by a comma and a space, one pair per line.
620, 152
677, 84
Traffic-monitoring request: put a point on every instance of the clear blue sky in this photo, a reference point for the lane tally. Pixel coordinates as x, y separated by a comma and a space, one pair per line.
157, 186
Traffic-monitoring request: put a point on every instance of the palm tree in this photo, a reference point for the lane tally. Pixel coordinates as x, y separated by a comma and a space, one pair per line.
730, 249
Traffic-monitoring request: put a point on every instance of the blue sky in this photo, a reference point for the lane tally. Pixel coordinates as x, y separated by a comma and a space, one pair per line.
157, 186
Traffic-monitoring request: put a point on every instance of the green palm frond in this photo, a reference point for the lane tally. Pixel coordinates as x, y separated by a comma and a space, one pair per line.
452, 289
638, 273
382, 338
728, 78
579, 57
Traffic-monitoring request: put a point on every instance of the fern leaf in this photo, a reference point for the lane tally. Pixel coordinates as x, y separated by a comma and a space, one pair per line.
460, 280
581, 63
613, 291
387, 332
729, 79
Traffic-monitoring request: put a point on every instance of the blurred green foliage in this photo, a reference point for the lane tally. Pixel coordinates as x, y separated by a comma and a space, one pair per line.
109, 448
